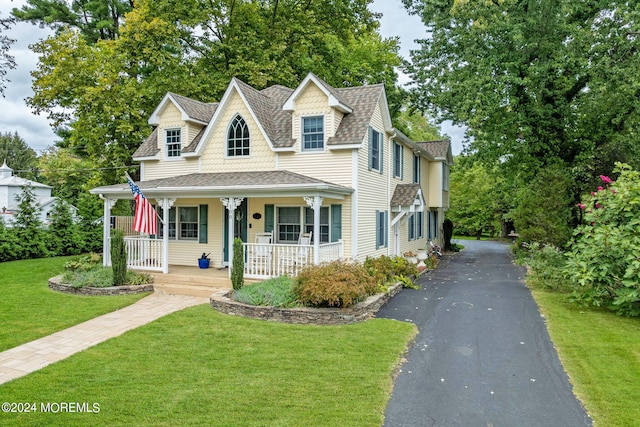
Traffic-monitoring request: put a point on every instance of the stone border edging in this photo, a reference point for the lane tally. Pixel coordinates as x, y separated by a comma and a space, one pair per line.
364, 310
54, 284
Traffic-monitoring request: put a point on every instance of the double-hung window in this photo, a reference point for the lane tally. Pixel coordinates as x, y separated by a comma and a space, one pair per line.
238, 142
288, 224
313, 133
416, 226
324, 223
173, 142
397, 160
184, 226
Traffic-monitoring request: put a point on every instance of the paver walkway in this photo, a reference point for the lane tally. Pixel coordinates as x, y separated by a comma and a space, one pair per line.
30, 357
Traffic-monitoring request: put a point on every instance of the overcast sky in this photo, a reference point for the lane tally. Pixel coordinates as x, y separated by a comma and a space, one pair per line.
15, 115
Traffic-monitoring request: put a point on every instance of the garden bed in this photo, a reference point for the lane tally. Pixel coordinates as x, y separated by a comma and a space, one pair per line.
364, 310
56, 285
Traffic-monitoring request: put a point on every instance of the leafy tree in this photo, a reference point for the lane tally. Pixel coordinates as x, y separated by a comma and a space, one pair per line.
474, 198
102, 93
539, 83
541, 213
89, 222
63, 234
28, 228
70, 175
19, 156
417, 126
94, 19
7, 62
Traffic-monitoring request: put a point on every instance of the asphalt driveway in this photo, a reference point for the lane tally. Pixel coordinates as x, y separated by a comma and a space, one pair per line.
483, 356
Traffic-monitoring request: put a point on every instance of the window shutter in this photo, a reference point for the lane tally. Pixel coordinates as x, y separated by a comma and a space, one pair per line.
381, 143
377, 229
268, 218
386, 228
370, 162
336, 222
203, 229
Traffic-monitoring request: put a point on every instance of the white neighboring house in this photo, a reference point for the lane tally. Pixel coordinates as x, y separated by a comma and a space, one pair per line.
11, 187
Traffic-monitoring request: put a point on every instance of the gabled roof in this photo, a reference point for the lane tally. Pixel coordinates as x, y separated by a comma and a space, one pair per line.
270, 109
407, 196
354, 126
440, 149
191, 110
335, 98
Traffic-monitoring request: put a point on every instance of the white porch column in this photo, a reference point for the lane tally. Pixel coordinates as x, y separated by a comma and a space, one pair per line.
315, 204
166, 205
231, 203
106, 230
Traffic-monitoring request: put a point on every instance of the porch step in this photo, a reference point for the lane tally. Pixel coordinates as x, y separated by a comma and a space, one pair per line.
189, 290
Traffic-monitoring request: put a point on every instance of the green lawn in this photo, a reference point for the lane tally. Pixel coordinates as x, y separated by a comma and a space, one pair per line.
601, 353
30, 310
199, 367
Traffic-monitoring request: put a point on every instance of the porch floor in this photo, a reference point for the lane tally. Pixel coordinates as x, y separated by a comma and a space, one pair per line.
193, 281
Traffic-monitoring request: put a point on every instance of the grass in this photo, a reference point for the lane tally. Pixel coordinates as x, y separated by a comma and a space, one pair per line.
601, 353
199, 367
30, 310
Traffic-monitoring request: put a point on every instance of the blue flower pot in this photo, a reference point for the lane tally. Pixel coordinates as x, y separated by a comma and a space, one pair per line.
203, 263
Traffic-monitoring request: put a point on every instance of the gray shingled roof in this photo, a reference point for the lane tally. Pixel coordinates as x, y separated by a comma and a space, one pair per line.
405, 194
333, 91
149, 147
225, 181
196, 110
438, 149
267, 106
354, 126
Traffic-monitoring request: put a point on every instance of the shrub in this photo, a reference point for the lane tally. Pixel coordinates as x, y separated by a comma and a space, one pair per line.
237, 269
547, 264
118, 258
334, 284
604, 261
96, 276
276, 292
386, 269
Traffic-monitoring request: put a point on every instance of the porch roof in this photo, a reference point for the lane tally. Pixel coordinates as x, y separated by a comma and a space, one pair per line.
230, 184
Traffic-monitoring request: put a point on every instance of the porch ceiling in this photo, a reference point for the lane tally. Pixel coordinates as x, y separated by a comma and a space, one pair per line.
230, 184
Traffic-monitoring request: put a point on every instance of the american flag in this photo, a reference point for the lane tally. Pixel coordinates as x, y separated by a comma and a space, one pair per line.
144, 219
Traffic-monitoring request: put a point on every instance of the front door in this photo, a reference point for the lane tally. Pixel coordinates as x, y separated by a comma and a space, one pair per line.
239, 227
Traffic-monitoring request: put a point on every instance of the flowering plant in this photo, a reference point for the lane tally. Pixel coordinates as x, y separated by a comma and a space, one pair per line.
604, 260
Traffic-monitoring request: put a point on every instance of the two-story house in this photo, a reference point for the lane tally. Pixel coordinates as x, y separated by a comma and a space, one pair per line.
272, 166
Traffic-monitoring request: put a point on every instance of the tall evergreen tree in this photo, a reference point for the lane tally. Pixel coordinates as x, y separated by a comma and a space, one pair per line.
28, 227
19, 156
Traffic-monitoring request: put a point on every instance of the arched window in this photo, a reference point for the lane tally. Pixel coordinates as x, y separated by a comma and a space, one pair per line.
238, 138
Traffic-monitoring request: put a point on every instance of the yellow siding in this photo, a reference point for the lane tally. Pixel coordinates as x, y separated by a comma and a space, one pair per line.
214, 157
187, 252
171, 118
373, 194
435, 184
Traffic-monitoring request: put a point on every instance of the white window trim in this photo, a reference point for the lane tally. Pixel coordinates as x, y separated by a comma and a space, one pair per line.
401, 159
177, 237
301, 218
324, 134
380, 153
226, 139
166, 144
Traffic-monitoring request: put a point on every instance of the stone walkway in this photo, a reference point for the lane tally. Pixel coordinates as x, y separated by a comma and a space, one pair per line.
30, 357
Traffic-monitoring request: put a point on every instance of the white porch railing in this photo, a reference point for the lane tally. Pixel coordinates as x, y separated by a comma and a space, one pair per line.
144, 253
264, 260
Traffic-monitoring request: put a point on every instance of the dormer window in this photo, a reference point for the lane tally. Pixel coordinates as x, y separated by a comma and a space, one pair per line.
173, 142
238, 141
313, 133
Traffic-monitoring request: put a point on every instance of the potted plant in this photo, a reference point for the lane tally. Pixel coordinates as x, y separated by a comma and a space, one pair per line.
203, 261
